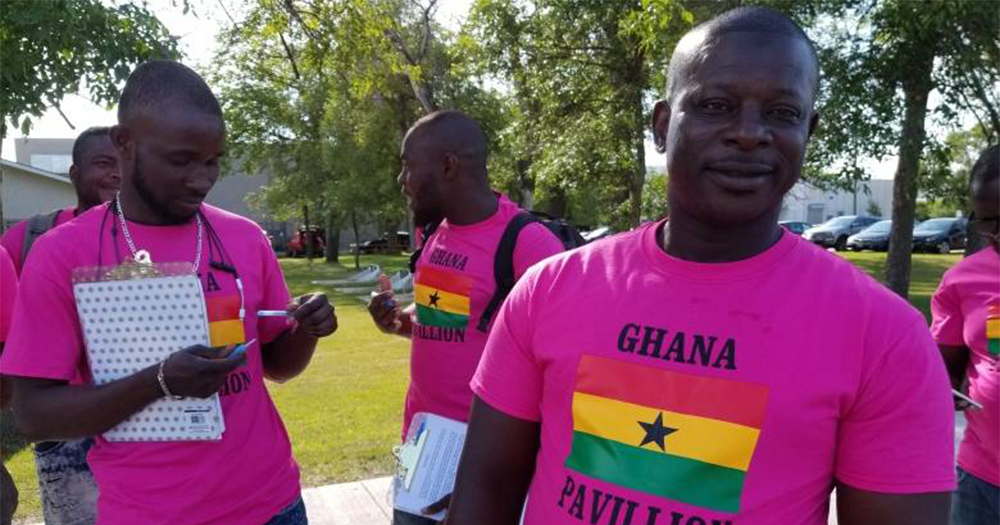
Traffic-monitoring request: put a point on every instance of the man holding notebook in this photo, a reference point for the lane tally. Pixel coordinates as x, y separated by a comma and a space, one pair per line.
170, 136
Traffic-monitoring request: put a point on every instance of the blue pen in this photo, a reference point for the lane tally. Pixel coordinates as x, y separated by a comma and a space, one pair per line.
241, 349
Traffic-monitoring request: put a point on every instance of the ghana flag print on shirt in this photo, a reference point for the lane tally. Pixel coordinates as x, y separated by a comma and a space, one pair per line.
224, 325
442, 298
679, 436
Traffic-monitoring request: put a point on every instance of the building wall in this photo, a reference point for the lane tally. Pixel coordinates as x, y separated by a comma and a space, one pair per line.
810, 204
25, 194
55, 155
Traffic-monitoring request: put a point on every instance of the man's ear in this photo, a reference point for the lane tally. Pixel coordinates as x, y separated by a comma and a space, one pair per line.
121, 137
813, 123
74, 174
661, 123
450, 166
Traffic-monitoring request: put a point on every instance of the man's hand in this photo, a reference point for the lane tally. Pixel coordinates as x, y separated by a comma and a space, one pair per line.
438, 506
384, 309
199, 371
314, 314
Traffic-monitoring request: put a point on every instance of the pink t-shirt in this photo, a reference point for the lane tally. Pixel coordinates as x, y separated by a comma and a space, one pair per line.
673, 392
13, 239
453, 284
247, 476
961, 308
8, 292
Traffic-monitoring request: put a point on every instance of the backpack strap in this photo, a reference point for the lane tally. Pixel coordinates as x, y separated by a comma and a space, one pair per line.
503, 266
37, 226
425, 235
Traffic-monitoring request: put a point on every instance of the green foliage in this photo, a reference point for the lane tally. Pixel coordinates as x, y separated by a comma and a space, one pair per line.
654, 197
50, 48
874, 210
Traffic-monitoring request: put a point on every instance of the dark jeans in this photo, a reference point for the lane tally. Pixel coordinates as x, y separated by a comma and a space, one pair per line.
405, 518
975, 502
67, 487
293, 514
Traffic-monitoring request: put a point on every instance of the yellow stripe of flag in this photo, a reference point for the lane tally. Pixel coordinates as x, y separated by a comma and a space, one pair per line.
993, 328
222, 333
702, 439
446, 301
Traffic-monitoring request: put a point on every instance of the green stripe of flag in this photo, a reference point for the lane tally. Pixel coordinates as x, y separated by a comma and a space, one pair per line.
681, 479
994, 346
434, 317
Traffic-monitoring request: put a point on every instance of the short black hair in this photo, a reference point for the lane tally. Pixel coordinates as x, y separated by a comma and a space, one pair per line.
157, 82
760, 20
81, 141
456, 132
987, 167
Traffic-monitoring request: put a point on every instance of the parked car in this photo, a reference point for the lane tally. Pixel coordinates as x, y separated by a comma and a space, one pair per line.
381, 244
296, 246
874, 237
941, 235
598, 233
834, 232
796, 227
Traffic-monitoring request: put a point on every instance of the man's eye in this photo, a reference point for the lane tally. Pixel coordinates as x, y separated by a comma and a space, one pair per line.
785, 113
715, 105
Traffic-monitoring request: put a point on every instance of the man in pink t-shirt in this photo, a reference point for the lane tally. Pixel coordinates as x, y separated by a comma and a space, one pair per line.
709, 369
95, 176
8, 293
966, 326
170, 136
445, 180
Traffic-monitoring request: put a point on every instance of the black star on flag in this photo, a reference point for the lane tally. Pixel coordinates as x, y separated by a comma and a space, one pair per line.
655, 432
434, 300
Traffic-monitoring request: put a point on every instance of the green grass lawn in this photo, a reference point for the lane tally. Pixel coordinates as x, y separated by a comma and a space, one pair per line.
344, 413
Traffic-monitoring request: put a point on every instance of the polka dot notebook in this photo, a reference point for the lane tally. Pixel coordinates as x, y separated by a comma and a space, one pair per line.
134, 324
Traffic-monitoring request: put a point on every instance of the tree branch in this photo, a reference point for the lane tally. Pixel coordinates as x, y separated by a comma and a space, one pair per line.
290, 55
63, 115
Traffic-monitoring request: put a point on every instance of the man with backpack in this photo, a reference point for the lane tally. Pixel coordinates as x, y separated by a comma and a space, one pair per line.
95, 176
445, 181
67, 487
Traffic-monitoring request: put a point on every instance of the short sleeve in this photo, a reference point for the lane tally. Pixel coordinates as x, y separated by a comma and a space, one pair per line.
275, 295
8, 292
898, 434
12, 240
45, 340
534, 243
508, 377
947, 319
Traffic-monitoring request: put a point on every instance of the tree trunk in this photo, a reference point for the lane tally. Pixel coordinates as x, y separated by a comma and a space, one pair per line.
526, 185
904, 191
332, 239
639, 170
558, 202
307, 241
357, 241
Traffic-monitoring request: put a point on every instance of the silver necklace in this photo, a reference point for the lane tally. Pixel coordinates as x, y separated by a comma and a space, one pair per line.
142, 256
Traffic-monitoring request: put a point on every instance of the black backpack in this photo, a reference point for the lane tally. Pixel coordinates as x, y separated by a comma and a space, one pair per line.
503, 261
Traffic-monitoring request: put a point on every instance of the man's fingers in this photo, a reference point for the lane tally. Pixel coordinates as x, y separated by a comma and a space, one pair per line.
437, 506
206, 352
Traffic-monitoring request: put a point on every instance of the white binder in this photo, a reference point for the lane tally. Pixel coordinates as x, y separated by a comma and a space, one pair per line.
129, 325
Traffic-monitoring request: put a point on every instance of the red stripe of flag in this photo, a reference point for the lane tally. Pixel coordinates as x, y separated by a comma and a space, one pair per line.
723, 399
223, 308
444, 280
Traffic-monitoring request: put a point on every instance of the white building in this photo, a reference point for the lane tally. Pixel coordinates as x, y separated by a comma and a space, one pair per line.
28, 191
807, 203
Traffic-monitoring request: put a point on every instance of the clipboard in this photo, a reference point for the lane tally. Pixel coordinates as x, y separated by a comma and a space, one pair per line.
426, 463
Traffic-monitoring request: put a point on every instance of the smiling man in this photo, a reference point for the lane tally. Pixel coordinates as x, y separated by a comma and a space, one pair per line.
709, 369
170, 137
96, 177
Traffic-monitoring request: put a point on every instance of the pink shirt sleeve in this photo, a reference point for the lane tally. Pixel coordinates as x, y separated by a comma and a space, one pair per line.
534, 243
897, 435
508, 378
45, 339
947, 325
8, 292
275, 295
13, 240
